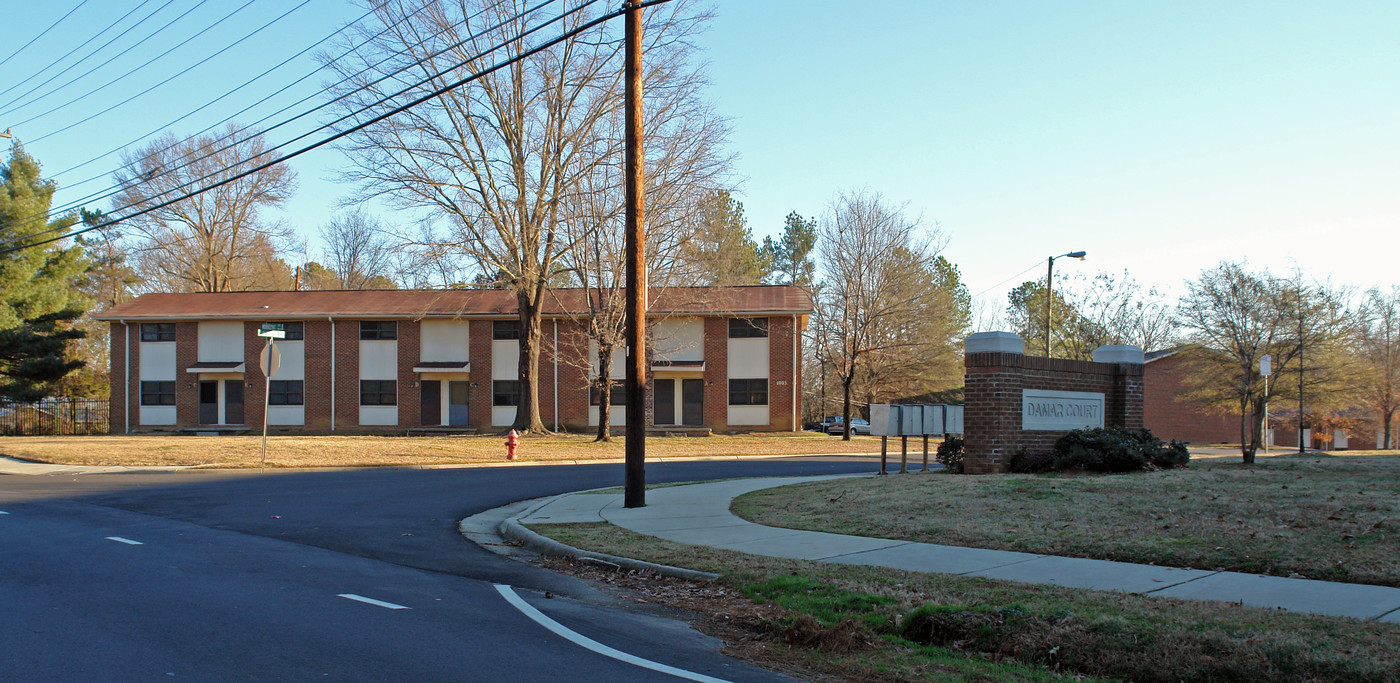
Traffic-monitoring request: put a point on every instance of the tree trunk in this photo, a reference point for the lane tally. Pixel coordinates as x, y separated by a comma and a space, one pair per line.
604, 383
527, 414
1386, 422
1245, 415
846, 411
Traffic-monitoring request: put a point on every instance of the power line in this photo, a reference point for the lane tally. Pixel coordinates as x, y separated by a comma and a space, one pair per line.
80, 46
6, 248
113, 190
1013, 277
118, 79
182, 72
361, 126
43, 33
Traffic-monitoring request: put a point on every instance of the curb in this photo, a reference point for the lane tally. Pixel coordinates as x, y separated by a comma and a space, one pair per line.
512, 529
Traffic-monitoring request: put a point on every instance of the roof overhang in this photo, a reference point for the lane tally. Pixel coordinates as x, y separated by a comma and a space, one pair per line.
442, 366
216, 366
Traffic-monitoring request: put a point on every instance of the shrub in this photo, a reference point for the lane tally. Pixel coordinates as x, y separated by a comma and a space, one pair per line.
1030, 463
1116, 450
950, 454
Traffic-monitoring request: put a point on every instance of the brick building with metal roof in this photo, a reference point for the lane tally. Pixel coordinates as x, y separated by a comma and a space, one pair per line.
721, 359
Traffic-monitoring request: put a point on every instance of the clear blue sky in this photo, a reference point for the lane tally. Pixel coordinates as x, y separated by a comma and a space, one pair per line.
1159, 137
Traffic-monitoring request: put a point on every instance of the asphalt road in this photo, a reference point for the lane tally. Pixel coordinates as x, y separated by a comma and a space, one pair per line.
348, 575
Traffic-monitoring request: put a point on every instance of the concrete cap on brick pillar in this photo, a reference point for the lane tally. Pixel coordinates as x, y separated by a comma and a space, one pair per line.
1118, 353
999, 342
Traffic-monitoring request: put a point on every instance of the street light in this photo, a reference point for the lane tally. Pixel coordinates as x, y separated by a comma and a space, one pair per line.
1049, 290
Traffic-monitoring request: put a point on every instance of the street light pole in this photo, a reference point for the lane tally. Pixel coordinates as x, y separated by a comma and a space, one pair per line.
1050, 291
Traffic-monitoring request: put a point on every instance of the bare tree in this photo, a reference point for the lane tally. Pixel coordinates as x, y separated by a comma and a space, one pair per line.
1233, 317
498, 157
358, 249
875, 295
215, 241
1123, 311
1377, 347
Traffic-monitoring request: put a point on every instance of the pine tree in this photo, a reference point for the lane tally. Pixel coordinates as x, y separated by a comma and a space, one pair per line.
39, 294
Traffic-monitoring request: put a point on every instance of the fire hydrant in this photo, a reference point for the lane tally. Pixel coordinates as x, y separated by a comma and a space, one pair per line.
512, 443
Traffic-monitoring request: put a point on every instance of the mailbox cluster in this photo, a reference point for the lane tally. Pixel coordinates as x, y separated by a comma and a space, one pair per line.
915, 419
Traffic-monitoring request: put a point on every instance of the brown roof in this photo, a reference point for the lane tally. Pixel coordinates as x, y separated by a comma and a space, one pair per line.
446, 303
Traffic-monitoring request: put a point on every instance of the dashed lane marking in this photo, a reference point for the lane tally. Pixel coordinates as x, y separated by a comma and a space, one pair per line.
127, 541
588, 643
371, 601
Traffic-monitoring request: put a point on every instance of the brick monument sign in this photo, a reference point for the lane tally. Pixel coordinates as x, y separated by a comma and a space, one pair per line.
1019, 403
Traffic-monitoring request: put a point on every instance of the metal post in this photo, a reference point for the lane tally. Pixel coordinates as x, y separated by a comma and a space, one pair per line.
1300, 368
925, 453
267, 393
1049, 280
634, 490
904, 455
884, 451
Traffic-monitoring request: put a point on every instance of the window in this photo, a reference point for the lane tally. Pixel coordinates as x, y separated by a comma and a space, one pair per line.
505, 329
748, 392
157, 393
157, 332
378, 392
294, 331
616, 397
743, 328
379, 329
505, 392
284, 392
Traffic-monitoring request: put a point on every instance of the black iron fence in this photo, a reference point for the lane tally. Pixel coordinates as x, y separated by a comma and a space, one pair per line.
54, 416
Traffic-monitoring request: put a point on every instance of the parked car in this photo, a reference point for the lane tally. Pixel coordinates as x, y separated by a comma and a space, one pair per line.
823, 424
858, 426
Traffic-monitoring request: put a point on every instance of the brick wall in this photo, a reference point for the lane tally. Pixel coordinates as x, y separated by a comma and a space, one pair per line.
780, 367
479, 394
410, 394
186, 384
717, 373
254, 383
992, 418
120, 383
316, 388
347, 375
1170, 416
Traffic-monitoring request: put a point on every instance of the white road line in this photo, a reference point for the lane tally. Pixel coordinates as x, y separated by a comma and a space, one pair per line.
2, 512
372, 601
588, 643
127, 541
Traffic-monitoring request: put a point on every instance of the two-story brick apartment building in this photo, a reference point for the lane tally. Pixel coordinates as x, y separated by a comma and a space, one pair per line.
723, 358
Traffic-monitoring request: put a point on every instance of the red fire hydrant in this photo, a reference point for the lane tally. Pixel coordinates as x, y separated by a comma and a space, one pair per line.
512, 443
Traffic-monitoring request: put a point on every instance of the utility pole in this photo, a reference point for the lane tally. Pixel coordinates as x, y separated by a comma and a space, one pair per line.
1301, 346
634, 489
1050, 292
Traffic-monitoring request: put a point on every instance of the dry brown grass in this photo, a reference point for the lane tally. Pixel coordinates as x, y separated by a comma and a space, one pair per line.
1003, 630
1324, 517
367, 451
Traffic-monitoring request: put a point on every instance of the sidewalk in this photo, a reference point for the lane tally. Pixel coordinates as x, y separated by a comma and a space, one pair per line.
10, 465
699, 514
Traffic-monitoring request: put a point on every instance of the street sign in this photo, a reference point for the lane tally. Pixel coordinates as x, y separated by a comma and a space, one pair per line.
272, 331
269, 360
1265, 365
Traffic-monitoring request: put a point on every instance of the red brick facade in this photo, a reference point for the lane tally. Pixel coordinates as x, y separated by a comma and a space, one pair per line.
1170, 416
331, 380
992, 417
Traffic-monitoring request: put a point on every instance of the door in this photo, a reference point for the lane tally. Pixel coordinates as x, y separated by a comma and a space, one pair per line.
233, 402
430, 397
209, 403
693, 402
664, 403
457, 414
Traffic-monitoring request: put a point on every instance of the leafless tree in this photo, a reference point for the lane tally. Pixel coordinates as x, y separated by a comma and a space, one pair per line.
1233, 317
1124, 311
498, 157
358, 249
875, 296
1377, 347
215, 241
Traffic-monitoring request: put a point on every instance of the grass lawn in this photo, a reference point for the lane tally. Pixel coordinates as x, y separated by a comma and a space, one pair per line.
365, 451
859, 623
1332, 517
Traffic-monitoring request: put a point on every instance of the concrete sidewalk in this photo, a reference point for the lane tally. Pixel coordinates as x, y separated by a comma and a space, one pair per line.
10, 465
699, 514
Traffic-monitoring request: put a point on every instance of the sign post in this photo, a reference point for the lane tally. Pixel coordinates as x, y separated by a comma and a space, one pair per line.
1265, 366
269, 361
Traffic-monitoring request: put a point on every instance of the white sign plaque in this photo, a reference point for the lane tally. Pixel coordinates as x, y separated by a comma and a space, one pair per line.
1060, 410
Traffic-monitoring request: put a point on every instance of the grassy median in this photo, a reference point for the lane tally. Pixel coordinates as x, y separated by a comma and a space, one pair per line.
1335, 518
369, 451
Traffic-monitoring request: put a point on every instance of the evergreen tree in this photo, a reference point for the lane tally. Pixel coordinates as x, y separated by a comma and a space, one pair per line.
722, 250
39, 293
791, 255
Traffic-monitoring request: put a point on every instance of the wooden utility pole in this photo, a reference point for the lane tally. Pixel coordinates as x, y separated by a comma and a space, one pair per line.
634, 489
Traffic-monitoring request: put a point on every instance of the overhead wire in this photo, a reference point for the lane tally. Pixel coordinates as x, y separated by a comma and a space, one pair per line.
118, 79
182, 72
115, 189
8, 248
43, 33
79, 46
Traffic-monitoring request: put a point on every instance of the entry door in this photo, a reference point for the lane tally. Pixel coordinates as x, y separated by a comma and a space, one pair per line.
431, 401
233, 402
457, 414
664, 403
693, 402
209, 402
